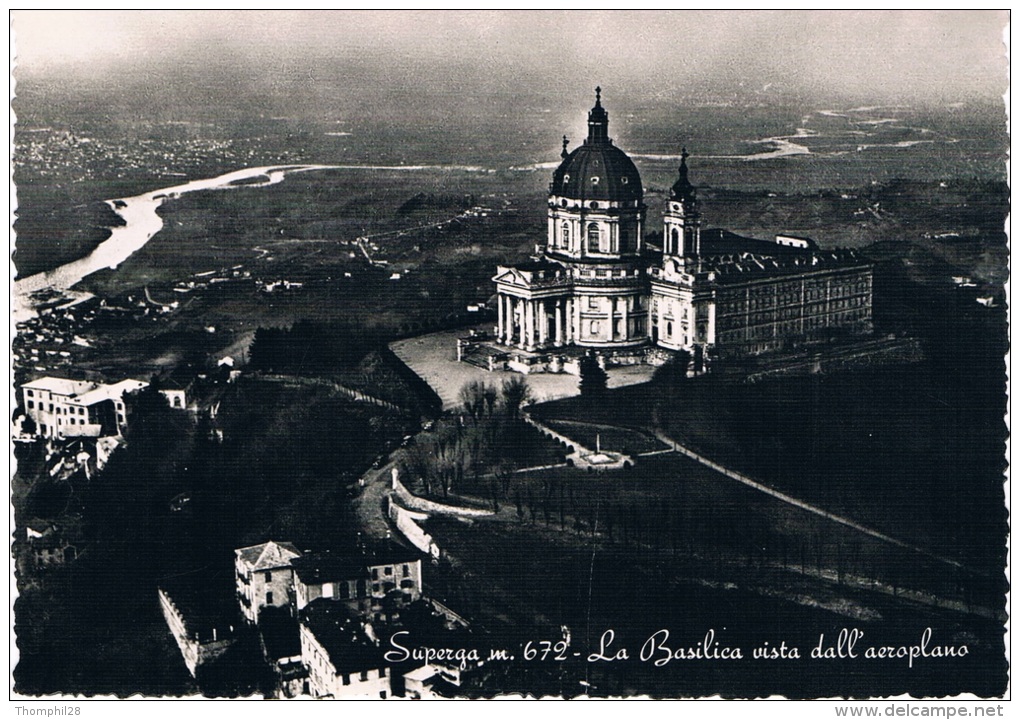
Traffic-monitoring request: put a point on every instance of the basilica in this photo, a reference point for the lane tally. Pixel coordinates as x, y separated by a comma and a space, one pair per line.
598, 283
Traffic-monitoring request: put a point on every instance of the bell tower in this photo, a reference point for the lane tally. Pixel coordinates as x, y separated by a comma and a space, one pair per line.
682, 222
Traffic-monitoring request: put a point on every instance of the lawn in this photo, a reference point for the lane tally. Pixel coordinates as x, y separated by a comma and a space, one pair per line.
608, 437
525, 582
915, 451
672, 504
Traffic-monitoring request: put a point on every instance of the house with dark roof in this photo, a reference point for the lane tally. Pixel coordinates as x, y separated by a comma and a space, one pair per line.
176, 388
280, 641
342, 660
375, 581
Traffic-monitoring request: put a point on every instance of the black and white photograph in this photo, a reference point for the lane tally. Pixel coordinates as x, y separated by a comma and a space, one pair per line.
392, 354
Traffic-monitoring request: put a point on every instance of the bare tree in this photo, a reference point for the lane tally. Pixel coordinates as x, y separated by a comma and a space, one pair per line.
504, 471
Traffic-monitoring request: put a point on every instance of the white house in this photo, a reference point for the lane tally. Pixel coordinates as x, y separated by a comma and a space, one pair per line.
77, 408
63, 408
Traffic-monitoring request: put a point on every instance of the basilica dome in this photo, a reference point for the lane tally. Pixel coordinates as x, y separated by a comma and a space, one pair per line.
597, 170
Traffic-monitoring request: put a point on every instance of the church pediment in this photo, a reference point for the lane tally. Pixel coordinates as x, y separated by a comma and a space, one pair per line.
537, 274
510, 276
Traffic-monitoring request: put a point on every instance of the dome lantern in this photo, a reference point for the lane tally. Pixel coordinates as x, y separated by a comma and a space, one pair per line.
597, 170
598, 122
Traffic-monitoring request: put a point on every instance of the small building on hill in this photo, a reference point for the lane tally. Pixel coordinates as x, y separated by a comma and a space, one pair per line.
264, 575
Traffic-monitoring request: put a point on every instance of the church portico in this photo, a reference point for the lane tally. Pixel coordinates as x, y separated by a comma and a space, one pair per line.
531, 314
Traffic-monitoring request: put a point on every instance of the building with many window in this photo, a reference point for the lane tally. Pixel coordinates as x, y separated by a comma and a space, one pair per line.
596, 283
374, 583
62, 408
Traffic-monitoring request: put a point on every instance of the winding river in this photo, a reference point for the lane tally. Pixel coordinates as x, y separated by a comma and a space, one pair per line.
141, 223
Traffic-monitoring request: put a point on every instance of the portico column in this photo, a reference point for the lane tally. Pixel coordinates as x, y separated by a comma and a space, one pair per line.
575, 315
508, 316
511, 304
529, 308
511, 320
542, 322
612, 319
626, 318
522, 315
499, 310
559, 323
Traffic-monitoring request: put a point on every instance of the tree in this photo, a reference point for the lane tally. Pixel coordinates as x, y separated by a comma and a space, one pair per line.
415, 463
516, 394
673, 373
593, 378
490, 394
473, 397
504, 472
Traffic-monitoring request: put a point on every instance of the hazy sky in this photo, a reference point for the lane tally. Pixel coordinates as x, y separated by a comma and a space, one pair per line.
914, 55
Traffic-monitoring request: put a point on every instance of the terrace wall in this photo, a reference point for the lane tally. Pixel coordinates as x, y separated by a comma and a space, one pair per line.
413, 502
405, 521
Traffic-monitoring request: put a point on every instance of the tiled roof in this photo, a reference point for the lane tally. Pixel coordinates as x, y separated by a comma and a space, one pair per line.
279, 633
61, 386
330, 566
268, 555
110, 392
724, 242
205, 600
84, 392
